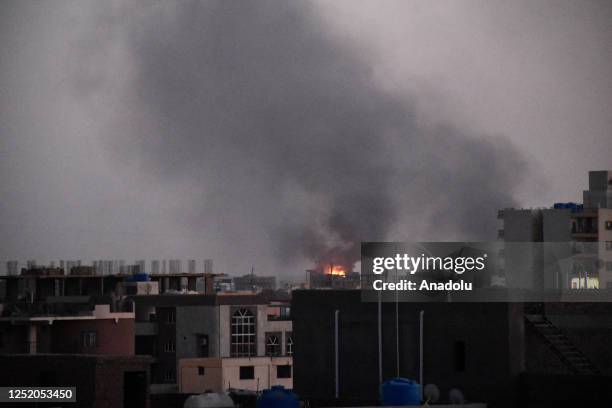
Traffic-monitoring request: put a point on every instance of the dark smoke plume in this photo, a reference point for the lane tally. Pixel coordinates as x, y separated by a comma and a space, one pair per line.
283, 133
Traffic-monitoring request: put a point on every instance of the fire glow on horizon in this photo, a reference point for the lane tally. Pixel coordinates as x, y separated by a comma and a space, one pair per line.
336, 270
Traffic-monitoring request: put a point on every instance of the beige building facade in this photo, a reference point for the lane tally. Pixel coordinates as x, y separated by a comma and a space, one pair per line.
198, 375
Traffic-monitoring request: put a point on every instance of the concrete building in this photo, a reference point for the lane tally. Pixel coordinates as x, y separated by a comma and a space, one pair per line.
222, 326
43, 310
578, 235
223, 283
40, 282
319, 279
255, 283
198, 375
496, 353
62, 331
599, 194
12, 268
100, 381
81, 310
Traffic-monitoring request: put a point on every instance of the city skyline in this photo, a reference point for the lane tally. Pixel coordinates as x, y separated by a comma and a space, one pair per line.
102, 155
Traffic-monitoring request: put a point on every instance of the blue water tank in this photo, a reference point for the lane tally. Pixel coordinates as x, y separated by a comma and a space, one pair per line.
569, 206
400, 391
138, 277
277, 397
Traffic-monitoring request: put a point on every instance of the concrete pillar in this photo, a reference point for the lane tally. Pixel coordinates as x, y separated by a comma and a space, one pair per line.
175, 283
191, 283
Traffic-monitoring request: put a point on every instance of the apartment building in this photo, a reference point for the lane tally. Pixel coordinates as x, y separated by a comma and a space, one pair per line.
100, 381
222, 332
79, 331
42, 310
575, 250
73, 329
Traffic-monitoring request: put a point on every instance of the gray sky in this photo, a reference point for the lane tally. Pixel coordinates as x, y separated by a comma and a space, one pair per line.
276, 135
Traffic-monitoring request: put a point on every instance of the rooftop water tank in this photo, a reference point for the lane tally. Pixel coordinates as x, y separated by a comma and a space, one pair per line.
138, 277
400, 391
209, 400
277, 397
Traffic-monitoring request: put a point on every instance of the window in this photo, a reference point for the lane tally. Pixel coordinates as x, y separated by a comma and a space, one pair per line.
201, 370
460, 356
171, 316
169, 376
89, 339
273, 346
608, 266
609, 225
247, 372
243, 334
608, 245
289, 344
170, 347
283, 371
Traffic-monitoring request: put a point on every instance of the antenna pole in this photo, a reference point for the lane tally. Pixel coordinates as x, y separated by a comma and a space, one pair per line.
397, 350
380, 375
336, 315
421, 317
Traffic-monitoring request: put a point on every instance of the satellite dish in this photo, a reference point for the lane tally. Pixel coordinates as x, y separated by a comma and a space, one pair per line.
431, 393
456, 396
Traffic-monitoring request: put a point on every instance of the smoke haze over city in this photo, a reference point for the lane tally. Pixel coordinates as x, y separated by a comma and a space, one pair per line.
279, 135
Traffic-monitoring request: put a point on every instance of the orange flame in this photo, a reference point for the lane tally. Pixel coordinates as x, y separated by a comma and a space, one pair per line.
336, 270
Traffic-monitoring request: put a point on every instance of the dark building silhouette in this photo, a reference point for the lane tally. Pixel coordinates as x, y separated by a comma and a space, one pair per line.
100, 381
492, 352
